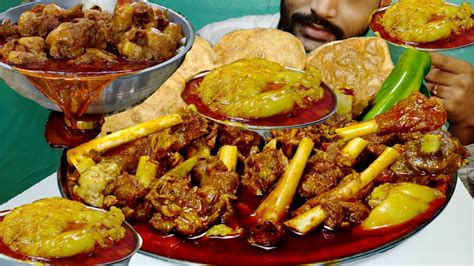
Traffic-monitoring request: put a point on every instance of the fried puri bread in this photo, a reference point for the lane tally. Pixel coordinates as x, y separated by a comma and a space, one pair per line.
201, 57
271, 44
166, 100
361, 64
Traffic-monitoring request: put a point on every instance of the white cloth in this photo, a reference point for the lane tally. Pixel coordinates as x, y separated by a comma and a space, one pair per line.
215, 31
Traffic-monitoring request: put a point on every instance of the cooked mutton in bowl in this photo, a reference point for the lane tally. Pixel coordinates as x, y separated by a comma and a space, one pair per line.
201, 181
134, 32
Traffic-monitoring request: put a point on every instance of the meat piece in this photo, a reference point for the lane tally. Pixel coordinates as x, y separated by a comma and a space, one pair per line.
450, 156
205, 143
26, 50
323, 172
177, 206
132, 44
42, 19
128, 155
162, 44
343, 213
103, 20
143, 33
94, 55
187, 209
417, 113
243, 139
70, 39
127, 190
176, 137
94, 181
147, 44
263, 169
180, 207
290, 138
8, 30
377, 143
137, 15
211, 172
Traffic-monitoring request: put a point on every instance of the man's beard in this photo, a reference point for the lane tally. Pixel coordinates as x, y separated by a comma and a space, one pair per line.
289, 23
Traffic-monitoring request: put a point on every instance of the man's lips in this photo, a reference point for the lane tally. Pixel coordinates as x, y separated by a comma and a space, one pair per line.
317, 32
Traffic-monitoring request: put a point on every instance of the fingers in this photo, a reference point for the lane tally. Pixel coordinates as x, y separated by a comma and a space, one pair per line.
439, 76
448, 63
442, 91
451, 97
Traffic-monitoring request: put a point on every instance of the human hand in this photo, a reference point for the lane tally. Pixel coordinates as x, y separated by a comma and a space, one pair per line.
452, 81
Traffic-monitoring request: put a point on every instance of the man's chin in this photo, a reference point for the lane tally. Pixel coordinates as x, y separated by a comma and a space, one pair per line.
310, 45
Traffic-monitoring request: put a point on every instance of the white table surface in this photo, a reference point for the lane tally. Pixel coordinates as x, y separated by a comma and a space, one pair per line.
448, 240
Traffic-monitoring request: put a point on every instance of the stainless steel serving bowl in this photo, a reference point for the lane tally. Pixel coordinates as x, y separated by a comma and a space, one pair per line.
123, 261
122, 92
264, 129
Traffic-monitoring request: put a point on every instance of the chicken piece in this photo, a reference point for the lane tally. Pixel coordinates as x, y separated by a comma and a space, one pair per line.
263, 169
94, 55
190, 210
70, 39
42, 19
323, 172
94, 181
243, 139
26, 50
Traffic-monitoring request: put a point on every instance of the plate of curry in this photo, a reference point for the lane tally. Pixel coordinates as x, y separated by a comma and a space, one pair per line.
260, 94
428, 25
206, 192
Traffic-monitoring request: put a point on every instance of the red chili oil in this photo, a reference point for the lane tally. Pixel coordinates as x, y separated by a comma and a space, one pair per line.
314, 110
116, 251
318, 246
464, 38
72, 87
59, 135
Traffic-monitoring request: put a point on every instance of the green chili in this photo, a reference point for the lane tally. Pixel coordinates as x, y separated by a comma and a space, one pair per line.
406, 77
